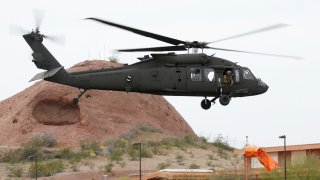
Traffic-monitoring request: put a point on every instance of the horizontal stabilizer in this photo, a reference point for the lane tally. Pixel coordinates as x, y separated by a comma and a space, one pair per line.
46, 74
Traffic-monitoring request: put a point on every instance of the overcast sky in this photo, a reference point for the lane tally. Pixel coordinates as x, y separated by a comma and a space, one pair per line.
289, 107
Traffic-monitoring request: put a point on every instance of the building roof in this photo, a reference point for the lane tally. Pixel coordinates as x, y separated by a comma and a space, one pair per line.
174, 174
186, 170
299, 147
292, 147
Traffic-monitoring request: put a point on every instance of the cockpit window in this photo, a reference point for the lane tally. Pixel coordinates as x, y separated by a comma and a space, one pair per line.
247, 74
209, 74
195, 74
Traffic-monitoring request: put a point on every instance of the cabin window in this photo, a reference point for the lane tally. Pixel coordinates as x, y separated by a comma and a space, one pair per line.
195, 74
237, 75
209, 74
247, 74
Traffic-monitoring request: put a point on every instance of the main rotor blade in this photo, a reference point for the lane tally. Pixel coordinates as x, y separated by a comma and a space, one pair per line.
275, 26
140, 32
164, 48
258, 53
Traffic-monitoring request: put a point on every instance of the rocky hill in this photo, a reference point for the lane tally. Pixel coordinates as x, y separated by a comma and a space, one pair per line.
100, 115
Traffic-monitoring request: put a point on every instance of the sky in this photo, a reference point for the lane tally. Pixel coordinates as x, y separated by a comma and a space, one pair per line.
289, 107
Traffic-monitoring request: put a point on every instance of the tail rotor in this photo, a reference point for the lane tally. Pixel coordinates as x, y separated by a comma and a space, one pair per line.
35, 33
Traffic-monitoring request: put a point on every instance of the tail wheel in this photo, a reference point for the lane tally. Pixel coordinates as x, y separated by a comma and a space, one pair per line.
206, 104
224, 100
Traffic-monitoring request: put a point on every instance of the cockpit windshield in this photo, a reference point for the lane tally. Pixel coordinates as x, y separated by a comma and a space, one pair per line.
247, 74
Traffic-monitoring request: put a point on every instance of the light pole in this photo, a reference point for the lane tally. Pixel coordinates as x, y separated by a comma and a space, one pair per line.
285, 156
139, 144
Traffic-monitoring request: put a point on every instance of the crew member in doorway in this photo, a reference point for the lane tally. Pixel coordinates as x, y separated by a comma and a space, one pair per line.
228, 76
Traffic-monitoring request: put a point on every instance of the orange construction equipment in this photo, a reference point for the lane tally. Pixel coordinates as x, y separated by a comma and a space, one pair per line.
262, 156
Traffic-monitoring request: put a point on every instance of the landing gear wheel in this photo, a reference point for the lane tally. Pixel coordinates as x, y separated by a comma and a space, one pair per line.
206, 104
75, 101
224, 100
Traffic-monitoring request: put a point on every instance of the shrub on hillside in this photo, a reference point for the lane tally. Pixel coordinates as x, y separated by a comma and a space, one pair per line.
25, 153
29, 150
117, 148
180, 159
108, 167
116, 155
144, 128
46, 169
48, 140
70, 155
194, 166
145, 152
15, 171
221, 143
12, 156
91, 145
159, 150
163, 165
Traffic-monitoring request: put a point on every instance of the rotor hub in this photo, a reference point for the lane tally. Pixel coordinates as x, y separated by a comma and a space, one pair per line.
36, 35
196, 44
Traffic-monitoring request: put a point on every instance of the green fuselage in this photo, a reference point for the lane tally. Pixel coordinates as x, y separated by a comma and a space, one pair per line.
169, 74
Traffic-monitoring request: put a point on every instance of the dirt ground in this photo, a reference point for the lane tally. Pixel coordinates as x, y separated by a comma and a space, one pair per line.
93, 168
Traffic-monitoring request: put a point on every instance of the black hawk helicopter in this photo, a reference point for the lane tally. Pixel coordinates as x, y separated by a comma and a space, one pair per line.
191, 74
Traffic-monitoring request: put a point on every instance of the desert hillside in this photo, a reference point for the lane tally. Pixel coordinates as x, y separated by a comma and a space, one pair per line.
100, 115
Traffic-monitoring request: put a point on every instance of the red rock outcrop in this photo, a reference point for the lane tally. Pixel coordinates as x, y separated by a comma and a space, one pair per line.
101, 115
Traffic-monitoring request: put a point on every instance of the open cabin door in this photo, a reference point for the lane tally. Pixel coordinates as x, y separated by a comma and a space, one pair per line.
229, 78
202, 80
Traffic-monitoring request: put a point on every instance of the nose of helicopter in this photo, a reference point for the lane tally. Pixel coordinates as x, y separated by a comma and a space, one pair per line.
263, 87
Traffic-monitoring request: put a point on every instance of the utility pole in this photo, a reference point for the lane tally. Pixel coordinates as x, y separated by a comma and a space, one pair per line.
285, 156
139, 144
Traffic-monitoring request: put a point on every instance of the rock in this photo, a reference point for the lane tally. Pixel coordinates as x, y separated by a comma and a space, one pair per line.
45, 107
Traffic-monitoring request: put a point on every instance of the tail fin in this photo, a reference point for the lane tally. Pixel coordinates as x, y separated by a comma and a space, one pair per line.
46, 74
43, 59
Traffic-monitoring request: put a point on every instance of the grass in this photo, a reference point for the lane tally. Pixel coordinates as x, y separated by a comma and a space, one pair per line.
90, 146
210, 164
139, 130
108, 167
49, 140
113, 150
116, 155
210, 156
194, 166
223, 144
180, 159
307, 168
163, 165
12, 156
15, 171
46, 168
159, 150
30, 149
118, 147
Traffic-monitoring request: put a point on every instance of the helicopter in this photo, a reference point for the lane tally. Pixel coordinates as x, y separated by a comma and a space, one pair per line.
169, 74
